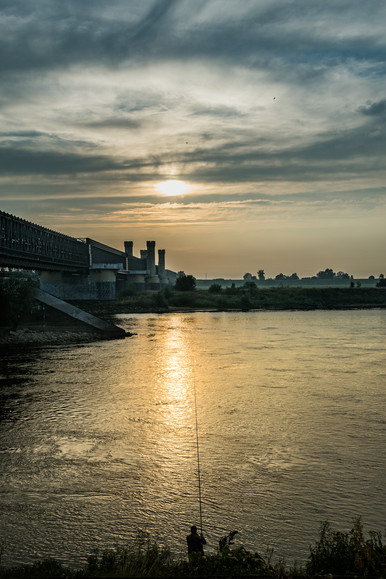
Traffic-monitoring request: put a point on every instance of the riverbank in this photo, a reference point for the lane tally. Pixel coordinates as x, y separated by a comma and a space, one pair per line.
26, 337
335, 554
29, 337
245, 298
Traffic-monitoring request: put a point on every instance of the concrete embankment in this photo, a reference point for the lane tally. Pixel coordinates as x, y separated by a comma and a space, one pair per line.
80, 318
59, 322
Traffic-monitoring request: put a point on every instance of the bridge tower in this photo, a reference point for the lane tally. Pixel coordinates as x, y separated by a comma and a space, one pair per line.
150, 258
129, 248
161, 266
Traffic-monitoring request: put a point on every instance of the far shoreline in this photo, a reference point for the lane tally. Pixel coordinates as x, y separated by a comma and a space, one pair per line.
246, 299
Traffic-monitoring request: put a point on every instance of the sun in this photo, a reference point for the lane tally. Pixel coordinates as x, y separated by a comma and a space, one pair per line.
172, 187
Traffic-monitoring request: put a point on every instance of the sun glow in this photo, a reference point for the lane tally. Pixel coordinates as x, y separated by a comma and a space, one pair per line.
172, 187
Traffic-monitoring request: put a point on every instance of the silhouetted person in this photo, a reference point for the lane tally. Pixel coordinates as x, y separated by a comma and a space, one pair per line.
195, 544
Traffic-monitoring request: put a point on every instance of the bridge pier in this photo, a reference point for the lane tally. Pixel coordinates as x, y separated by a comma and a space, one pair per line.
97, 285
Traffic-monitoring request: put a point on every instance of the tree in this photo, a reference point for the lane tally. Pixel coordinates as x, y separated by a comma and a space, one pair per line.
342, 275
326, 274
215, 288
294, 276
247, 276
185, 283
261, 275
281, 277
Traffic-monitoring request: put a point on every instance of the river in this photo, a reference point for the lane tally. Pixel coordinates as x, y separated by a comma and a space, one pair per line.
98, 441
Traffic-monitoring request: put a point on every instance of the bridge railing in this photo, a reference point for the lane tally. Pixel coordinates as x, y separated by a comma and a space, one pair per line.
22, 240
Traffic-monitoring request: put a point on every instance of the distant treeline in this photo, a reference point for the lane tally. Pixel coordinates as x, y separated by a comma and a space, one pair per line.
327, 274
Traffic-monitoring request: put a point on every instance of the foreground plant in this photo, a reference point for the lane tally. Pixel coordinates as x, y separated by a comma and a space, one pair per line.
335, 553
341, 553
144, 559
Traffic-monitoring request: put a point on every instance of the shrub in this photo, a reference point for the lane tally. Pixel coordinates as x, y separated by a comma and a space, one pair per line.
144, 559
232, 290
250, 287
186, 300
160, 301
185, 283
215, 288
168, 292
341, 553
17, 303
221, 304
130, 290
245, 303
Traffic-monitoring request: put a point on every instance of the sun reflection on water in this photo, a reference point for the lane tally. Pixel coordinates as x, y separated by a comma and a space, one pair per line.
174, 378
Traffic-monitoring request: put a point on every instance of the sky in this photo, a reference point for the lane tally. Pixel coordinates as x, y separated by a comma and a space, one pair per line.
239, 135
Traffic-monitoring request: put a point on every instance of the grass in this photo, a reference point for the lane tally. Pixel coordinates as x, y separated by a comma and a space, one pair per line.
243, 298
334, 554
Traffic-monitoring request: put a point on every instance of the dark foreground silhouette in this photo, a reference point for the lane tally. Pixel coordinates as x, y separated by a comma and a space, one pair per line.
334, 554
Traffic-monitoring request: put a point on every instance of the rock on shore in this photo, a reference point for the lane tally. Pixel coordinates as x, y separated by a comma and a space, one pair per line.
26, 336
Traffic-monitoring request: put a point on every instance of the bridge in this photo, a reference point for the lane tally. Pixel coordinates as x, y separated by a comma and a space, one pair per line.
24, 245
78, 268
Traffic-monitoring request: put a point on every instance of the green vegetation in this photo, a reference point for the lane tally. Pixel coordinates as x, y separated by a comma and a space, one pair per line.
185, 283
343, 553
347, 554
245, 298
17, 303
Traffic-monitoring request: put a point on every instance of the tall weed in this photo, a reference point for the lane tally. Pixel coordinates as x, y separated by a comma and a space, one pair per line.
342, 553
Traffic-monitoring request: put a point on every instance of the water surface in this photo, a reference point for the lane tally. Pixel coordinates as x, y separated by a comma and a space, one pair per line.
98, 441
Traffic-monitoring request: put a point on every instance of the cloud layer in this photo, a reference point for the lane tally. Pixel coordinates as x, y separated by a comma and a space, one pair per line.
274, 112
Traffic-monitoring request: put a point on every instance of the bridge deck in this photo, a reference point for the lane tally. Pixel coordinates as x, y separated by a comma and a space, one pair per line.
26, 245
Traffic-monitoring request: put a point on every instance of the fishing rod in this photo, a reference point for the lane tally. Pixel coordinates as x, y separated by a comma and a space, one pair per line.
198, 454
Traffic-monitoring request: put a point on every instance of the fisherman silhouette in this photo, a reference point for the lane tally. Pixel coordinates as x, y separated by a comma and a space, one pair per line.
196, 543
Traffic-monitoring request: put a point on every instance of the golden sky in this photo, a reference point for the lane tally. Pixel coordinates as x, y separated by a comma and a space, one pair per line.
238, 135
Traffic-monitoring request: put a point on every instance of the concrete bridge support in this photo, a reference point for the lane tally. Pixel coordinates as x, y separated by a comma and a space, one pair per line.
98, 285
161, 267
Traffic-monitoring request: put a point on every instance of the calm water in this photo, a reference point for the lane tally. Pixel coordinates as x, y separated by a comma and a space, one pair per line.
98, 441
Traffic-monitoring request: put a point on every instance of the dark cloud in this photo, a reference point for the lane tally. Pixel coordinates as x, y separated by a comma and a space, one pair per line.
116, 123
242, 158
55, 34
216, 111
16, 161
152, 21
29, 135
377, 109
